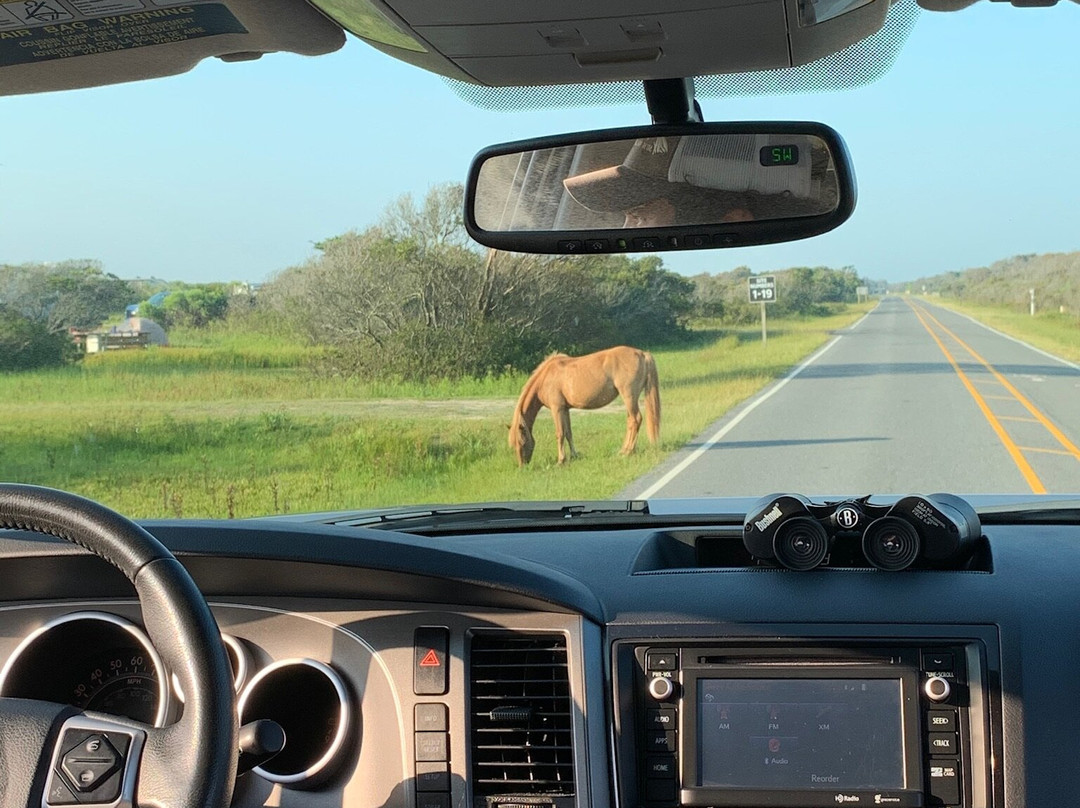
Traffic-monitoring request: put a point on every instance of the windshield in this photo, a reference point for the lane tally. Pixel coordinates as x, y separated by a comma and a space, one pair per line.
247, 290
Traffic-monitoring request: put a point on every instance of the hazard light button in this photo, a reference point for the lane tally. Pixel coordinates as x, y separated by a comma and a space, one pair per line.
430, 672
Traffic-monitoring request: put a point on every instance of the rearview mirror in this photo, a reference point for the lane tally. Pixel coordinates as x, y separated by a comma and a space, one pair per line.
643, 189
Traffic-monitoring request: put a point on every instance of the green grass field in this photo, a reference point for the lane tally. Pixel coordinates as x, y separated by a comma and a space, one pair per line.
1057, 333
231, 427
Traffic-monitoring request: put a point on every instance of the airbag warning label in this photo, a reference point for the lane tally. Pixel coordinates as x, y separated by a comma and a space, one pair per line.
39, 30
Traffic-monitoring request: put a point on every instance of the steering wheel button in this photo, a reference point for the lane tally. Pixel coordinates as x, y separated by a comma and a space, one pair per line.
105, 792
90, 762
87, 776
59, 793
96, 747
120, 742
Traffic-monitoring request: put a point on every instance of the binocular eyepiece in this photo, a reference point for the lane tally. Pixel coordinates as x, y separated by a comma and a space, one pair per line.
794, 532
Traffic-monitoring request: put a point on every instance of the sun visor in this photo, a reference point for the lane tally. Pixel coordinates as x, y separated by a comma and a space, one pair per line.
66, 44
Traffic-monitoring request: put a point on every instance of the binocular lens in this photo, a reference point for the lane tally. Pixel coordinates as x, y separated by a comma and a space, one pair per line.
891, 544
801, 543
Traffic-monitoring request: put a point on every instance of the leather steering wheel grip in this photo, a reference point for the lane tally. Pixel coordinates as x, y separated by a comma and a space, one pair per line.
192, 763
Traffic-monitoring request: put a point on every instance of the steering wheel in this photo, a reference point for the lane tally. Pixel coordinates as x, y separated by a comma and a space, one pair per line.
105, 759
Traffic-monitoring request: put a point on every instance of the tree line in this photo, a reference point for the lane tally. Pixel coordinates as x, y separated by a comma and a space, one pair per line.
800, 291
412, 297
1055, 277
40, 303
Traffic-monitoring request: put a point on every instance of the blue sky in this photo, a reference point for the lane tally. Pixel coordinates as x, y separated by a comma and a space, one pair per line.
966, 152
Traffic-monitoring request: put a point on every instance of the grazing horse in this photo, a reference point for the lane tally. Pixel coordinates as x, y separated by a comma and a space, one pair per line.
588, 382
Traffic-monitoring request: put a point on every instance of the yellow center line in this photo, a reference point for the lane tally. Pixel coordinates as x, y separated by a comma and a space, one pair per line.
1046, 451
1014, 451
1051, 427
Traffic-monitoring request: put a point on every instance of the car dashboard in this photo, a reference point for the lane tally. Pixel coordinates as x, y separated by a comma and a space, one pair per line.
614, 666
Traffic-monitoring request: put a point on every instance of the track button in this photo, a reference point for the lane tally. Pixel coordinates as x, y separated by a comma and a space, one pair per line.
943, 743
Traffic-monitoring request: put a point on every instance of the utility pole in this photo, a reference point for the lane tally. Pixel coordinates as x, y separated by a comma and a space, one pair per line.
1032, 293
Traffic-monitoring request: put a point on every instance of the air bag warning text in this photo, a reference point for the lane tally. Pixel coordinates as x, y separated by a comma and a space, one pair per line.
137, 29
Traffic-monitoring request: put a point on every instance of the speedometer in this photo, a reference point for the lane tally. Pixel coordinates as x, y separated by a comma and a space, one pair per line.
124, 682
94, 661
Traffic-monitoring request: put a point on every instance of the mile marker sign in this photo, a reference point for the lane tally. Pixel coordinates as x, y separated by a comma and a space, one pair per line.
762, 289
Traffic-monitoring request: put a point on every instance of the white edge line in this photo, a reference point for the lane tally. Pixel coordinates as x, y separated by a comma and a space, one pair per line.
652, 490
1010, 337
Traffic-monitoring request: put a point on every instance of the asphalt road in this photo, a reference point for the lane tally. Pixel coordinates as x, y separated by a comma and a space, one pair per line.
911, 399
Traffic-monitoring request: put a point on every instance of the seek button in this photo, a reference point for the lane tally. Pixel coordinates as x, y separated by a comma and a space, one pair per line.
941, 721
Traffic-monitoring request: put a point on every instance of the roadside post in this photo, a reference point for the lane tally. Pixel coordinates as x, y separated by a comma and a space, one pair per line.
762, 290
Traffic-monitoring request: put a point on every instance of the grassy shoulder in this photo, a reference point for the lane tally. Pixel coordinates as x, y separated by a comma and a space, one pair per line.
212, 436
1057, 333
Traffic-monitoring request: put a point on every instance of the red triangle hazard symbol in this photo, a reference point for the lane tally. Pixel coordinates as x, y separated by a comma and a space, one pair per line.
430, 660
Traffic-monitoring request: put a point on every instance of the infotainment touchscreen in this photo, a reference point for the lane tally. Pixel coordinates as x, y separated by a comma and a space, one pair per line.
800, 734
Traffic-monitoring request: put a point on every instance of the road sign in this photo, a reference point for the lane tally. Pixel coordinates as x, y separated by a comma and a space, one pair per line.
762, 288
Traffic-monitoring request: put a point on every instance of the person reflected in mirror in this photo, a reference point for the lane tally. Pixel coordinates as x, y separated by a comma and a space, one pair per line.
664, 211
706, 189
638, 187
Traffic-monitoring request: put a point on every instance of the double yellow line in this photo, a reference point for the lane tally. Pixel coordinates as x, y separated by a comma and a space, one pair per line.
1015, 452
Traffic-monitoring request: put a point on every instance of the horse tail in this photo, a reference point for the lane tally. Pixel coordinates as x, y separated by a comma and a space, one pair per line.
652, 398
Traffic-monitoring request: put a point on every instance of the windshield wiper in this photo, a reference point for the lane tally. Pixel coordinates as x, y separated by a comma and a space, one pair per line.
501, 516
1051, 512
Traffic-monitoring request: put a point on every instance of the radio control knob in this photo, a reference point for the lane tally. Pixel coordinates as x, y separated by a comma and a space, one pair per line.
661, 688
937, 688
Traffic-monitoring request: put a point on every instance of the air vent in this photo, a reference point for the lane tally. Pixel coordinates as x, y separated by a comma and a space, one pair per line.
522, 732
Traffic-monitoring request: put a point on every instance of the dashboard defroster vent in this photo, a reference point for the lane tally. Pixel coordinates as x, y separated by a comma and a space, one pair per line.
520, 710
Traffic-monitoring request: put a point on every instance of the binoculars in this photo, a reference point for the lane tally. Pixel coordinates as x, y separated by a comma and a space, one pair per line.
790, 530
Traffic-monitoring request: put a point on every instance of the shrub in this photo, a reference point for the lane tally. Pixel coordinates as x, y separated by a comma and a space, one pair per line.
27, 344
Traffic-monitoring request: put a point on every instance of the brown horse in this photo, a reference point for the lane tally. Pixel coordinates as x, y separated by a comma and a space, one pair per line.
589, 382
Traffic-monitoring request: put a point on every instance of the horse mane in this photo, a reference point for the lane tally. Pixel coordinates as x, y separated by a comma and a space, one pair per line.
526, 392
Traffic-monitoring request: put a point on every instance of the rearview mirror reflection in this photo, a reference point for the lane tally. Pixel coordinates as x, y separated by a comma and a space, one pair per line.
653, 182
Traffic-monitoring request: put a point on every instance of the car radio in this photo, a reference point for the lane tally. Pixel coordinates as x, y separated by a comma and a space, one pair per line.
808, 723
